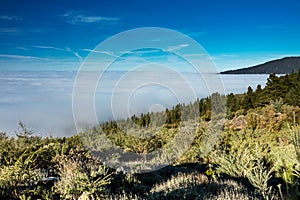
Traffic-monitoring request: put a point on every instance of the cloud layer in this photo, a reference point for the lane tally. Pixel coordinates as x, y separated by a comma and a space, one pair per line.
43, 100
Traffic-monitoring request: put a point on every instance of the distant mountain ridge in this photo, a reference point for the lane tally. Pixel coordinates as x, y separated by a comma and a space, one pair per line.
279, 66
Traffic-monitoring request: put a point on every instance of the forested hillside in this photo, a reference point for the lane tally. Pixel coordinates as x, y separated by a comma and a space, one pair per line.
278, 90
255, 157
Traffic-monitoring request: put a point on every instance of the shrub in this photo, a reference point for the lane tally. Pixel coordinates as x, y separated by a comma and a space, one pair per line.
76, 180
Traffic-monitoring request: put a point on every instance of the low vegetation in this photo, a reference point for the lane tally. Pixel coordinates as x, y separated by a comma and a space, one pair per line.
256, 155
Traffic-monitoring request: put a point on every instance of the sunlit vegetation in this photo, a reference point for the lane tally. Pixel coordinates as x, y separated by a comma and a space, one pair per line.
255, 157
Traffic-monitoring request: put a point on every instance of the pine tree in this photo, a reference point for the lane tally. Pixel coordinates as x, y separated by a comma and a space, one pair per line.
248, 99
232, 104
258, 99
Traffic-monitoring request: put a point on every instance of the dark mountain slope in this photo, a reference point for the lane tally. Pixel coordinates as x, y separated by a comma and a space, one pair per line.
280, 66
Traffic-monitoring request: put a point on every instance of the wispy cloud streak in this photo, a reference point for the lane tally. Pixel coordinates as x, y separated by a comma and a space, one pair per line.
12, 56
68, 49
76, 17
178, 47
49, 47
7, 17
103, 52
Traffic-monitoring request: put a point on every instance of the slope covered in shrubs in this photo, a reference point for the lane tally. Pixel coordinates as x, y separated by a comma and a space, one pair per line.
256, 155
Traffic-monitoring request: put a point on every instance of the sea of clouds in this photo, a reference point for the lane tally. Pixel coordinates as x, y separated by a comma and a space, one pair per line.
43, 100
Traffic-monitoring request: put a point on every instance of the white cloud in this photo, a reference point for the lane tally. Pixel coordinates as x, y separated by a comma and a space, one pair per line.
178, 47
104, 52
48, 47
7, 17
68, 49
75, 17
18, 56
23, 48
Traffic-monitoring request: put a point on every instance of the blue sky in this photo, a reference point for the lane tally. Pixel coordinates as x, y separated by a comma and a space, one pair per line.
58, 35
